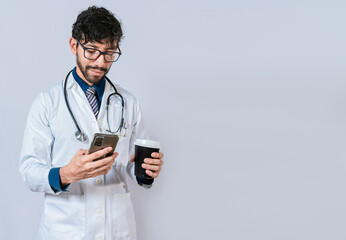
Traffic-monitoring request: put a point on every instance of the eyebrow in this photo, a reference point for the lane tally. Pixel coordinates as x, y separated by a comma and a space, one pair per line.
90, 46
95, 47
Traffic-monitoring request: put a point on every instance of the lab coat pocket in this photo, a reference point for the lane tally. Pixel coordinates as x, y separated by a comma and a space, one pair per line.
64, 216
124, 225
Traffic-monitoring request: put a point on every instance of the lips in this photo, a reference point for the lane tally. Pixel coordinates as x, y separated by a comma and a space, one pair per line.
97, 72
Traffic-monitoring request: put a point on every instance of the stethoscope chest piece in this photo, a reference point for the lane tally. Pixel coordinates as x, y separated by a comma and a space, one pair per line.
80, 136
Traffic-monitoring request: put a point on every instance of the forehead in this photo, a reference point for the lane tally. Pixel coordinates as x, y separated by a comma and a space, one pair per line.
103, 44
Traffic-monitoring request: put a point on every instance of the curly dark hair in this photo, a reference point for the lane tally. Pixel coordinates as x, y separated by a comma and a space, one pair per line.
96, 24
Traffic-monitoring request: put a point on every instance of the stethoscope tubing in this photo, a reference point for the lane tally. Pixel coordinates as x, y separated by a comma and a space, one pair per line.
79, 134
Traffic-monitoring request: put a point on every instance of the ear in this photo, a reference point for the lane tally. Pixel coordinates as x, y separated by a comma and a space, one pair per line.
73, 45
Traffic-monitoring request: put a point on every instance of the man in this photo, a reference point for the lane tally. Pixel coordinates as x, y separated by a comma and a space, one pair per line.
84, 198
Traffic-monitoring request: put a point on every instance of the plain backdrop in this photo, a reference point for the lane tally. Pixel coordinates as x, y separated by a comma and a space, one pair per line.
248, 99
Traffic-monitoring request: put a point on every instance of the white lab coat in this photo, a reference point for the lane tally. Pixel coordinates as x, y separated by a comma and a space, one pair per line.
94, 208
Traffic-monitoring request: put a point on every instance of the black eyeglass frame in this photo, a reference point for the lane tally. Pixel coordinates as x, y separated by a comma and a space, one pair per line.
100, 52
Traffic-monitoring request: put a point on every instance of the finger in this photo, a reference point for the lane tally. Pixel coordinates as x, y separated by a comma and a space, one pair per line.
101, 171
152, 174
132, 159
157, 155
82, 152
98, 167
114, 155
151, 167
104, 161
153, 161
95, 155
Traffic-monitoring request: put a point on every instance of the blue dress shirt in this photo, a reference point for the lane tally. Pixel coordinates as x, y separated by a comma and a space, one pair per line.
99, 87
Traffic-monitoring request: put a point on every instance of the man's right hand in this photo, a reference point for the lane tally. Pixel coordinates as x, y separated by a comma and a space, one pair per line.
83, 166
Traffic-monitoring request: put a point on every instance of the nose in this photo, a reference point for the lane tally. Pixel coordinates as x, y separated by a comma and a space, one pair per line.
100, 61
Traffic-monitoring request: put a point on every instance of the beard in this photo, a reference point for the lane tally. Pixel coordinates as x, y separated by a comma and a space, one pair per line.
87, 76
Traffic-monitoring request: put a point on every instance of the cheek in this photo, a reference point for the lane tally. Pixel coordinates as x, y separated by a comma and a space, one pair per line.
81, 61
108, 65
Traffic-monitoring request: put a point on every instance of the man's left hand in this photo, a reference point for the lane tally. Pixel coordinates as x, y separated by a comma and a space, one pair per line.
152, 165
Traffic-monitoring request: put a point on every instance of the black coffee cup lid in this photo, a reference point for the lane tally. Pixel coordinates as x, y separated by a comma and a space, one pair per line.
147, 143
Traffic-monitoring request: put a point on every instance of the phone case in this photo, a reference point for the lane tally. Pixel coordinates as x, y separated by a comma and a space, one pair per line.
103, 140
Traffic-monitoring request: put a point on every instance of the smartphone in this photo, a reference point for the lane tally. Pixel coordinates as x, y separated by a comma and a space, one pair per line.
103, 140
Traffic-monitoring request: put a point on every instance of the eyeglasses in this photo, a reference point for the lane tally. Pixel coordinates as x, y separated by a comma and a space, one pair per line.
93, 54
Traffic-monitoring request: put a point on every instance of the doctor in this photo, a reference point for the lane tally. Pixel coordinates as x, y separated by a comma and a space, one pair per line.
83, 198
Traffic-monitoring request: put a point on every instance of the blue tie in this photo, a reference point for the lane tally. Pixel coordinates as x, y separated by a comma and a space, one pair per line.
91, 96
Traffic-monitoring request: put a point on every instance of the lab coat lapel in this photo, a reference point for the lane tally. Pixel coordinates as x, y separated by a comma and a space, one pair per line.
106, 93
80, 107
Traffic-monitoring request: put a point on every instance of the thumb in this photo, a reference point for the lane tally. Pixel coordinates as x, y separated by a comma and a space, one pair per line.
132, 158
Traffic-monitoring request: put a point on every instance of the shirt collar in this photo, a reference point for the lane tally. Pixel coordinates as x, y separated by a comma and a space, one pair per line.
99, 87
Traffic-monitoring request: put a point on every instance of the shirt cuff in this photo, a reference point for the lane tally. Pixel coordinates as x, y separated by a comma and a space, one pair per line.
55, 181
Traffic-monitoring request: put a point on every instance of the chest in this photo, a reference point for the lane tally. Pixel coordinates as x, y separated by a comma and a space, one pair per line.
109, 118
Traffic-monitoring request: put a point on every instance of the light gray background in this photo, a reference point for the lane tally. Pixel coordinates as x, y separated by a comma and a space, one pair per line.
248, 99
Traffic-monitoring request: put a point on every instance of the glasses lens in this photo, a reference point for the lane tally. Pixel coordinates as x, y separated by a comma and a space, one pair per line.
91, 54
111, 57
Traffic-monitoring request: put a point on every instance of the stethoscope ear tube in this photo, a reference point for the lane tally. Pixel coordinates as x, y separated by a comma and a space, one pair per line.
121, 125
78, 134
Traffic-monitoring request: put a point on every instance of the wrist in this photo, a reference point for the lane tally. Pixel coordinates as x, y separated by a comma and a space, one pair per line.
64, 176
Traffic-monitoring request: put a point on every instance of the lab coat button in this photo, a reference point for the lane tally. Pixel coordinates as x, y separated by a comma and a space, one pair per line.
99, 122
98, 180
99, 211
99, 239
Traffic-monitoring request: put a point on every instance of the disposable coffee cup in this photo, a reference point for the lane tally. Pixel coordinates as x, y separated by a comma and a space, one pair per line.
143, 149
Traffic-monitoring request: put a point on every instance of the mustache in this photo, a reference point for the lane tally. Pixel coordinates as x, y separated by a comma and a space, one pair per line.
96, 68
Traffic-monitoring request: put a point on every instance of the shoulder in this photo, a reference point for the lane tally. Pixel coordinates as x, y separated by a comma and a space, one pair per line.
53, 91
132, 106
52, 94
46, 100
129, 97
126, 94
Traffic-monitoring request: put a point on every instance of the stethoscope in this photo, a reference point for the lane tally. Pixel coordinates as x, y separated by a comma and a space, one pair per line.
81, 136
